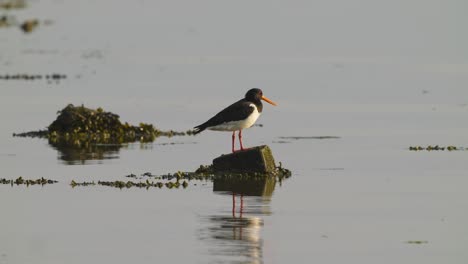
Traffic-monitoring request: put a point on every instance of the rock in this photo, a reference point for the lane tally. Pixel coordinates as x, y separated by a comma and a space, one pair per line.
256, 159
74, 119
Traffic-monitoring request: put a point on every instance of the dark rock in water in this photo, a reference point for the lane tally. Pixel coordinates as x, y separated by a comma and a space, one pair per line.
79, 126
73, 119
256, 159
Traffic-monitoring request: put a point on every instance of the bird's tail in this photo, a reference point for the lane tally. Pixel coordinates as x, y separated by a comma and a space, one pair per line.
198, 129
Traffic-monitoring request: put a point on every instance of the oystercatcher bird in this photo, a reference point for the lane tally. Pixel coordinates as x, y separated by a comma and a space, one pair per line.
241, 114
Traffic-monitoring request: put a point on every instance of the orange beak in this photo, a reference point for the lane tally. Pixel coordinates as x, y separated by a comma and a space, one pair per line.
268, 100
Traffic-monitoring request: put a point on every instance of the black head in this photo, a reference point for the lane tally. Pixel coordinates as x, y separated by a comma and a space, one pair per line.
255, 95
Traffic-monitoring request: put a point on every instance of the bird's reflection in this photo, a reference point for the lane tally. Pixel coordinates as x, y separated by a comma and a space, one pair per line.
234, 235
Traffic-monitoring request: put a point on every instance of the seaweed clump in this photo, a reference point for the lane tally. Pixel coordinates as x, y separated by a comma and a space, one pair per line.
182, 179
435, 148
30, 77
78, 125
208, 173
129, 184
27, 182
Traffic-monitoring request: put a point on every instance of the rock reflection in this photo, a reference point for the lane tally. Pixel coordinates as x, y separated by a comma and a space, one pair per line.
81, 152
234, 236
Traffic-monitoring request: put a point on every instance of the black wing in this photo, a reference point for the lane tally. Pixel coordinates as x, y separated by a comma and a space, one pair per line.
239, 110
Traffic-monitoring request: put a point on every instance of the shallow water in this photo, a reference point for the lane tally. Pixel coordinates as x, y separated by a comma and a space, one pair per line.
358, 198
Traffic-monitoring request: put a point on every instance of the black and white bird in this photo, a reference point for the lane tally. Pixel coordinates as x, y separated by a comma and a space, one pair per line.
241, 114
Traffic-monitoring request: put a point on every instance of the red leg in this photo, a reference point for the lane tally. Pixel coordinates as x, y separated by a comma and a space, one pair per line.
240, 140
233, 139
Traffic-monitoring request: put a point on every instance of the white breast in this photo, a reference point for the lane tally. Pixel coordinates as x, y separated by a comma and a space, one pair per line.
238, 125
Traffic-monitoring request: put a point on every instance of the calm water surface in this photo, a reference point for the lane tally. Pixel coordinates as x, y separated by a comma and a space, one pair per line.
378, 86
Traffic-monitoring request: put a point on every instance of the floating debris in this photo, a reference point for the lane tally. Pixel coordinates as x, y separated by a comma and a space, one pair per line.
29, 25
131, 175
12, 4
117, 184
435, 148
7, 21
33, 77
56, 76
175, 143
417, 242
281, 142
184, 184
78, 125
146, 184
10, 21
27, 182
74, 183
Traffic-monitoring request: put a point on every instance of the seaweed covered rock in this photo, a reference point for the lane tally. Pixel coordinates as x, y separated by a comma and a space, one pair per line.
78, 125
75, 119
256, 159
97, 125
